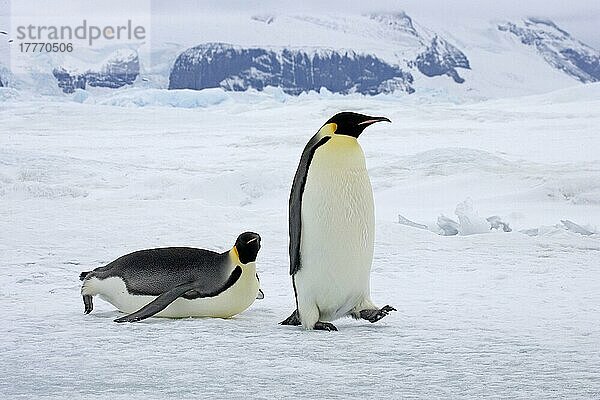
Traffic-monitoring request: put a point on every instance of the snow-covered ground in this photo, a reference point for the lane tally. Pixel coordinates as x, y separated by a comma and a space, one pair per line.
494, 315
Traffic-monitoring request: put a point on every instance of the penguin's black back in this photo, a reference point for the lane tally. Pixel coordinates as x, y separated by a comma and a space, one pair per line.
154, 271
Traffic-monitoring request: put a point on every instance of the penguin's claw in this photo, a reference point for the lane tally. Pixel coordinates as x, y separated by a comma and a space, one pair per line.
324, 326
293, 319
388, 308
88, 304
375, 315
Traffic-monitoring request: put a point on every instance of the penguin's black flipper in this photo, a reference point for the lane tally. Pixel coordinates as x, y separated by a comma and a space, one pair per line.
158, 304
295, 204
162, 301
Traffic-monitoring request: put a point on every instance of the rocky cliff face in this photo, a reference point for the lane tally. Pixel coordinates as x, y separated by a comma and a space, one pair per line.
295, 71
120, 69
558, 48
435, 55
441, 58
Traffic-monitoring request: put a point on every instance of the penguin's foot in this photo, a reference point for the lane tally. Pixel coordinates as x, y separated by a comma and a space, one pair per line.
375, 315
293, 319
88, 304
324, 326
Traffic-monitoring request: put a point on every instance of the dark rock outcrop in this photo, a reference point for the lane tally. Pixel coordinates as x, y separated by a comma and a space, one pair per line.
441, 58
295, 71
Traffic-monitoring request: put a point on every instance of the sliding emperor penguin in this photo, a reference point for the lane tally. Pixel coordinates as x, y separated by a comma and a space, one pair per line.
178, 282
332, 227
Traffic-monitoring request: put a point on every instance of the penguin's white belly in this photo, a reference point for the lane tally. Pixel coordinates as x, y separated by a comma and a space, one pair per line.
337, 229
227, 304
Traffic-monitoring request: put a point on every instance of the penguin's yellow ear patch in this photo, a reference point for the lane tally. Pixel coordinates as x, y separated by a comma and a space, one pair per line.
234, 250
328, 129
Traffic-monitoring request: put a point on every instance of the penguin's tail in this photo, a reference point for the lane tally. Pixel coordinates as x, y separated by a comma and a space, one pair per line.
84, 275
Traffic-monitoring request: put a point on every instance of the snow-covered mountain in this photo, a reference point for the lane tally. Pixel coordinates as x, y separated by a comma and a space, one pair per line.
295, 71
301, 67
482, 61
370, 54
557, 47
121, 68
436, 56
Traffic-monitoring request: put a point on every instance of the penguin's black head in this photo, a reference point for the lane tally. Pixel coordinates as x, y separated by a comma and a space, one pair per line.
351, 123
247, 245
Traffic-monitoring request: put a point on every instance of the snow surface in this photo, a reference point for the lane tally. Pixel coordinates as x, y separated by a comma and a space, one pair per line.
494, 315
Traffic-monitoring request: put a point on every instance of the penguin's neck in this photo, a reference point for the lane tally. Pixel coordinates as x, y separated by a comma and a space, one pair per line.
248, 269
340, 152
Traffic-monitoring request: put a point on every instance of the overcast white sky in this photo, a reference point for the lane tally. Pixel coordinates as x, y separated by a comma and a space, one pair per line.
463, 6
579, 17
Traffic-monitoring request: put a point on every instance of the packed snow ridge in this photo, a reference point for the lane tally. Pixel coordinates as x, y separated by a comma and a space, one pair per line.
558, 48
236, 68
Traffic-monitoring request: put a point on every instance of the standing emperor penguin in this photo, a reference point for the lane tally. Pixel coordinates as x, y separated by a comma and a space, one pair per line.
332, 227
